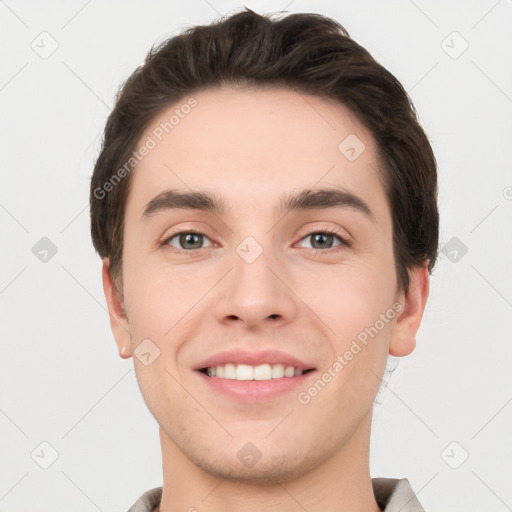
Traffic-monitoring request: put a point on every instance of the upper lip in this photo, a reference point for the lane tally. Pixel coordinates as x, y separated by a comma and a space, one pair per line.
238, 356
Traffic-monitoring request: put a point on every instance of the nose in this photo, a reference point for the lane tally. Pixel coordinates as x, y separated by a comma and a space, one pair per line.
257, 293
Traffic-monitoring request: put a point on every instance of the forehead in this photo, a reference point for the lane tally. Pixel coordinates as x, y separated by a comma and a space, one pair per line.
250, 145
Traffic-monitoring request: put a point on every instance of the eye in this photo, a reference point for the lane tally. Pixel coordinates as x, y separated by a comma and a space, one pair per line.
324, 239
187, 240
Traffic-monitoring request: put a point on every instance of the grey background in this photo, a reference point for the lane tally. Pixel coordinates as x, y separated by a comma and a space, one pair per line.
61, 380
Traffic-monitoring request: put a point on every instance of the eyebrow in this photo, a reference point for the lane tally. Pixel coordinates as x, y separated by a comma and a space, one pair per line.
310, 199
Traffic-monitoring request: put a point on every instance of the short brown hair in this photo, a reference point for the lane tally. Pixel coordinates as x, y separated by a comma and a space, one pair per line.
309, 53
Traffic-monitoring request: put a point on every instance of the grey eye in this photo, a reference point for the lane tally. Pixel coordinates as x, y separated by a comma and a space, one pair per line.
188, 240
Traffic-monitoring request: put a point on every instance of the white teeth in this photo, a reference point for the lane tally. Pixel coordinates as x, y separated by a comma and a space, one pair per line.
263, 372
247, 372
229, 371
277, 371
289, 371
243, 372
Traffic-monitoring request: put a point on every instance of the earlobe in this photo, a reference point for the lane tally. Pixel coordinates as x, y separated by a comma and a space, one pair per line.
403, 334
118, 319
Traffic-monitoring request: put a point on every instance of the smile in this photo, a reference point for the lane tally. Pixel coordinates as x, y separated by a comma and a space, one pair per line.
247, 372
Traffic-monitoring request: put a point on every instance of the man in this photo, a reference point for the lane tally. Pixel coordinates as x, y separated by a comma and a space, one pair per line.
265, 207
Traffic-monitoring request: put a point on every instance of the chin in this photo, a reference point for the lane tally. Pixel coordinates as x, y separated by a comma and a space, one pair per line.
268, 470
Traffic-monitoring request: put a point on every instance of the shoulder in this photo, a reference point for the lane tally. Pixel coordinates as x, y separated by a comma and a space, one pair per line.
394, 494
148, 502
391, 494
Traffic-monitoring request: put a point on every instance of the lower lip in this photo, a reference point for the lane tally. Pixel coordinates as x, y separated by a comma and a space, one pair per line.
255, 390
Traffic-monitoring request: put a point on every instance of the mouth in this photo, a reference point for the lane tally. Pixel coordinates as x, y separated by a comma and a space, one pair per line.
261, 372
254, 377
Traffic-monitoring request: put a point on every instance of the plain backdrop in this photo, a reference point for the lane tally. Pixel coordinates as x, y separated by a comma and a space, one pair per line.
68, 402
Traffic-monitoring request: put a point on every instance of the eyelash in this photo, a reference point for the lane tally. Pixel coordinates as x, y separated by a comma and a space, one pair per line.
326, 231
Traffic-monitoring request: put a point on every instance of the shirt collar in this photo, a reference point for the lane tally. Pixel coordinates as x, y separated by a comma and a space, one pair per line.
391, 494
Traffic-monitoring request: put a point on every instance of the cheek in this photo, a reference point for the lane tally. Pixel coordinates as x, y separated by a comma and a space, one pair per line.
347, 299
155, 297
351, 303
158, 306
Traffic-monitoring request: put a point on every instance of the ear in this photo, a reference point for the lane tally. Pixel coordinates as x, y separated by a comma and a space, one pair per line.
118, 319
403, 334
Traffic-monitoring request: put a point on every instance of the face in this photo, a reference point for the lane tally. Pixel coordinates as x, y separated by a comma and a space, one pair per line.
255, 272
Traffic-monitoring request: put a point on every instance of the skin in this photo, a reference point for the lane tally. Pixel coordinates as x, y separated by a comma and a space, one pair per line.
249, 147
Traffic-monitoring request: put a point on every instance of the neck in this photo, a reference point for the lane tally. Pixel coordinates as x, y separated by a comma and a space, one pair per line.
340, 483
